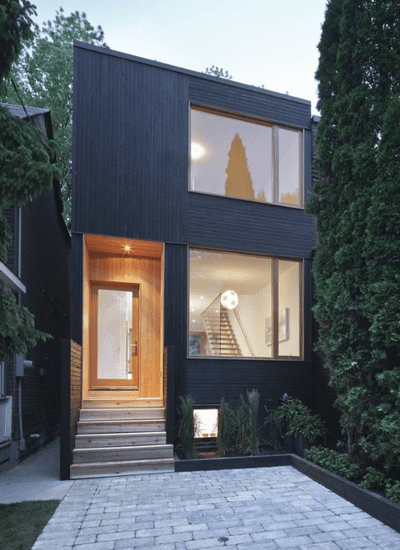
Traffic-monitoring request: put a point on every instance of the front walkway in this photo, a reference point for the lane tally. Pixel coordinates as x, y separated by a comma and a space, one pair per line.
251, 509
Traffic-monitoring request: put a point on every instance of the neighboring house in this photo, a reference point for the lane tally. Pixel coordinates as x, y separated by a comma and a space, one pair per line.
191, 251
37, 270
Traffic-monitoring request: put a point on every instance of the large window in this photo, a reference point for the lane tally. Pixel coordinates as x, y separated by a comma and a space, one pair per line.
245, 159
244, 306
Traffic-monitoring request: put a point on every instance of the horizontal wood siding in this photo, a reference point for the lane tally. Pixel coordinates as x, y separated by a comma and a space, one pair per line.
259, 103
234, 224
131, 154
208, 380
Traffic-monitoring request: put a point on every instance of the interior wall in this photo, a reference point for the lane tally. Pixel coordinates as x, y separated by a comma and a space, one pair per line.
289, 298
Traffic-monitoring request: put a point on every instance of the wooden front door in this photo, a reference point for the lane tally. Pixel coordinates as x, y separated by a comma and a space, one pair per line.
114, 336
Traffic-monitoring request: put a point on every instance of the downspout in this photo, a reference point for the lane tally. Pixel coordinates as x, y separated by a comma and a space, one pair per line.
21, 443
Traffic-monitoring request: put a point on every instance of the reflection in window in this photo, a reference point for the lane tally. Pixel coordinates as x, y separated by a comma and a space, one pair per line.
236, 158
232, 305
231, 157
289, 167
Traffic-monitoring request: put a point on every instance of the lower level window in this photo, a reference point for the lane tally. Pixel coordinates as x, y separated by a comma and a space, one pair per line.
244, 306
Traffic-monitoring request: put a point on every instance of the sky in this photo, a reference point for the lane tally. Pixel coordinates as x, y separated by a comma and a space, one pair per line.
269, 42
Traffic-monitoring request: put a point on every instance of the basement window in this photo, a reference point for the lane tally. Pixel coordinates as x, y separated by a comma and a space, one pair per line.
205, 423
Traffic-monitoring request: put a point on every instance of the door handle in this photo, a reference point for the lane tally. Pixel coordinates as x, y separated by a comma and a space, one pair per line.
135, 348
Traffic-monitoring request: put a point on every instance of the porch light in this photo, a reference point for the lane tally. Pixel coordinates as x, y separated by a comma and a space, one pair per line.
127, 247
229, 299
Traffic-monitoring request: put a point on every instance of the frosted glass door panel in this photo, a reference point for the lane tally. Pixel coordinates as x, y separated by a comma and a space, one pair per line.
114, 334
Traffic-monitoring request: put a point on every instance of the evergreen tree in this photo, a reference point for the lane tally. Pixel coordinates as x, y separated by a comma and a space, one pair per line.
238, 182
358, 75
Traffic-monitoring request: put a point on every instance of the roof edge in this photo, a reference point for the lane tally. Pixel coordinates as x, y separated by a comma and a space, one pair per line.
189, 72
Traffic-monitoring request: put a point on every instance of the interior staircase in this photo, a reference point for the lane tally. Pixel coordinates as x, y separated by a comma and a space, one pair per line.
113, 441
220, 334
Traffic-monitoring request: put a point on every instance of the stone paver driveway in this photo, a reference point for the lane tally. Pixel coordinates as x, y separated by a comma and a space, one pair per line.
252, 509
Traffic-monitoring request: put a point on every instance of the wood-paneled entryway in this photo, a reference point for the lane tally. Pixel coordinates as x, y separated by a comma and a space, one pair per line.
122, 335
122, 357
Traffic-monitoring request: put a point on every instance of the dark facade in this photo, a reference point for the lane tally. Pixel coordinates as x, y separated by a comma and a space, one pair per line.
37, 270
131, 175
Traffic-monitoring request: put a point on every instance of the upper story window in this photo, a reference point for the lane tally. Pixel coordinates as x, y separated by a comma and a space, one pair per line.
246, 159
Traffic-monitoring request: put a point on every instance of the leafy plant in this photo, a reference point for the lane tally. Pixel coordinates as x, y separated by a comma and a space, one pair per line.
224, 427
333, 461
392, 491
295, 418
273, 430
373, 480
253, 400
240, 422
245, 419
43, 78
187, 426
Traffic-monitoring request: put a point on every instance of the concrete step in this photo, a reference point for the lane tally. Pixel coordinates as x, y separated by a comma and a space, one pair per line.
121, 414
120, 426
88, 441
116, 454
129, 467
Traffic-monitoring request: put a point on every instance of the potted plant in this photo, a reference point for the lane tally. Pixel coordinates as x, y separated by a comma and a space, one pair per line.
298, 422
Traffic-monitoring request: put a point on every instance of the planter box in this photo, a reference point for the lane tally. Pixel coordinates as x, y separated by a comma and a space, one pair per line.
377, 506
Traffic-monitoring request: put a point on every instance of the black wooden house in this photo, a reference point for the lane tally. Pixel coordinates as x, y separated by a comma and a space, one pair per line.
191, 252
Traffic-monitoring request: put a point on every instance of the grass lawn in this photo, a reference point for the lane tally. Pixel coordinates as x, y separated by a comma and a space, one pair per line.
22, 523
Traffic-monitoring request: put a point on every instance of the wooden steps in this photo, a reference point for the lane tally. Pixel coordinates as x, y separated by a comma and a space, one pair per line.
115, 441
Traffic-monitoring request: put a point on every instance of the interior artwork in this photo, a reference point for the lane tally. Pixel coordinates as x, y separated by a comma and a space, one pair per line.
232, 305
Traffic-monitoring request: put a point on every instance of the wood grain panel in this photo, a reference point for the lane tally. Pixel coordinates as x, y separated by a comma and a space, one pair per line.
145, 272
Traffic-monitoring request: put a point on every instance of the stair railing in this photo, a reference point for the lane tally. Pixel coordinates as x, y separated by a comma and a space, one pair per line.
205, 318
207, 311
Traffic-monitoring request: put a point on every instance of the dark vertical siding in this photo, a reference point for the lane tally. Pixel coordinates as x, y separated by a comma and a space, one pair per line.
131, 151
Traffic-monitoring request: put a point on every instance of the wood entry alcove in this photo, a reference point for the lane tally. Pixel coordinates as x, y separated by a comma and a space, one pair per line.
118, 268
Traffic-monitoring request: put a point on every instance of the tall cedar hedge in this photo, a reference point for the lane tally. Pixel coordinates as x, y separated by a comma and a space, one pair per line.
356, 203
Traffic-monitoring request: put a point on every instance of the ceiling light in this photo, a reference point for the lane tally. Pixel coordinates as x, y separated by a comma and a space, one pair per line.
229, 299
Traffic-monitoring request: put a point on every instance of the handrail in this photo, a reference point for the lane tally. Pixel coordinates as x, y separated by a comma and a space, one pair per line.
244, 332
210, 304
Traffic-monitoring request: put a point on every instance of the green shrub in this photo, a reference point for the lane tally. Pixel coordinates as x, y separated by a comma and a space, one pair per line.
296, 418
187, 426
373, 480
392, 491
333, 461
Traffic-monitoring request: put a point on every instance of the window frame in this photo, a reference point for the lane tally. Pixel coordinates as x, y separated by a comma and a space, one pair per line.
275, 126
274, 308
